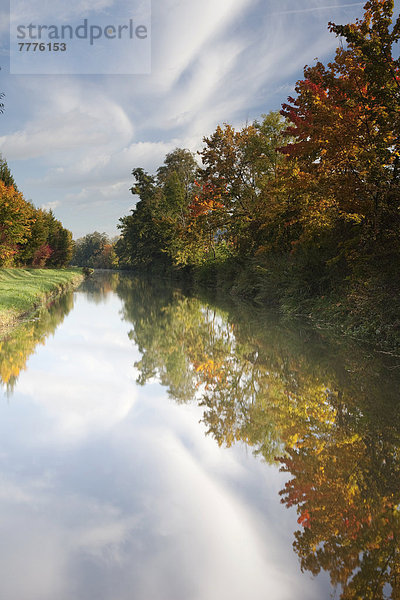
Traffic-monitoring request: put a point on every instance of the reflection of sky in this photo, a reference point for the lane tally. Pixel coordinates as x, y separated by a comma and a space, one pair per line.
112, 491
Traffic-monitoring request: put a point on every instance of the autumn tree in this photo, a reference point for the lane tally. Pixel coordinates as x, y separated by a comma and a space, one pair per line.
243, 168
345, 125
16, 218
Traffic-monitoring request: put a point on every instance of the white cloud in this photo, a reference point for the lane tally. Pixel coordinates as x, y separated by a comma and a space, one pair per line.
50, 205
84, 124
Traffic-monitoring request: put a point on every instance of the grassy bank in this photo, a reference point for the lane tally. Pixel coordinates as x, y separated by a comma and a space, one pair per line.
23, 290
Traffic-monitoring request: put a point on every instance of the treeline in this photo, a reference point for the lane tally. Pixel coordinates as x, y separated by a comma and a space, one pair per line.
301, 203
95, 250
29, 236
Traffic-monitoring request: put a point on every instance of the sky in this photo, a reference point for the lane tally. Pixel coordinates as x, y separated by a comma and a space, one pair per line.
72, 141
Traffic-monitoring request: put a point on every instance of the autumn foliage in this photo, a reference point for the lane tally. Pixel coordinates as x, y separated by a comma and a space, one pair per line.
28, 235
15, 222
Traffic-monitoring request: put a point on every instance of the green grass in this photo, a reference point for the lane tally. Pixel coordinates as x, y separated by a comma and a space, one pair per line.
23, 290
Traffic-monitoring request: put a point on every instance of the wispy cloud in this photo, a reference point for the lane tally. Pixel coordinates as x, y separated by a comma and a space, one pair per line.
315, 8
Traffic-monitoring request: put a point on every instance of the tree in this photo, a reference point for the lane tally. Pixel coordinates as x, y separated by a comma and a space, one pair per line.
152, 233
5, 173
182, 163
89, 249
16, 218
243, 167
107, 259
29, 235
346, 130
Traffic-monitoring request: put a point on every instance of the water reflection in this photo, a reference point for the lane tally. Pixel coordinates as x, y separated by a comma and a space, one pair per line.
114, 484
21, 343
98, 287
107, 490
329, 415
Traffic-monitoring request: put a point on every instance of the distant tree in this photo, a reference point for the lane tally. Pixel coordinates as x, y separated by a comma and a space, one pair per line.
89, 248
153, 232
107, 259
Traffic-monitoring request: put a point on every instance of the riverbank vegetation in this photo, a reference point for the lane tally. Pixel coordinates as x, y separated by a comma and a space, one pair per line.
95, 250
23, 290
301, 208
29, 236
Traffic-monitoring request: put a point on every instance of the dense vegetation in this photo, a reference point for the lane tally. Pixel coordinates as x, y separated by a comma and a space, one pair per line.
29, 236
300, 208
95, 250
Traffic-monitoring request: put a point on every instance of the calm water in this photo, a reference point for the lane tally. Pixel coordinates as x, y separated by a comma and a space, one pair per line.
160, 447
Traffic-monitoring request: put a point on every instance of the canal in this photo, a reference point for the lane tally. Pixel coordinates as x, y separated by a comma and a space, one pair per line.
157, 445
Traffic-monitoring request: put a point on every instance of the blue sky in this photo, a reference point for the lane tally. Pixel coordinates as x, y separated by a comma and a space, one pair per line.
72, 141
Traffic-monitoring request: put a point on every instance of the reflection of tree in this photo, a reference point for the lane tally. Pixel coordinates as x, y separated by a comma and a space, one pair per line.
99, 286
328, 415
345, 484
16, 349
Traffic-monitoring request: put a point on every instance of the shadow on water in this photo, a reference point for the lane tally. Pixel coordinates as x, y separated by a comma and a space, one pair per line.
327, 413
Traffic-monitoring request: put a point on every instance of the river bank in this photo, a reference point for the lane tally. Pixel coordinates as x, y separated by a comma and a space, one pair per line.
366, 309
22, 291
